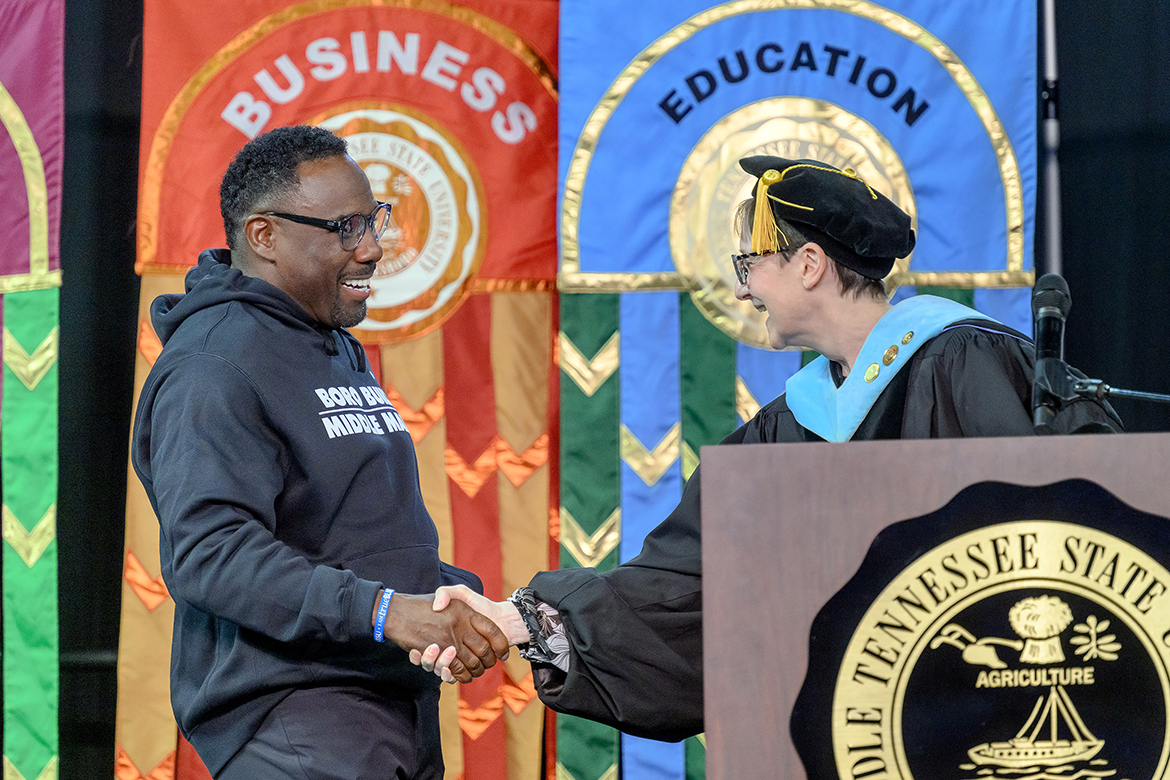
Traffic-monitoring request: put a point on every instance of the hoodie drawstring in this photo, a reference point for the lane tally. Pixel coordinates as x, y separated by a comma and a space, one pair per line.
360, 354
357, 355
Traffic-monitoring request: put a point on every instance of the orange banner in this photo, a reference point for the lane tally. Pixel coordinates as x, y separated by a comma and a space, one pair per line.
451, 110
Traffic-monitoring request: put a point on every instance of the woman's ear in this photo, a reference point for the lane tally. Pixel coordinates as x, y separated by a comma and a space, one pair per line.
814, 265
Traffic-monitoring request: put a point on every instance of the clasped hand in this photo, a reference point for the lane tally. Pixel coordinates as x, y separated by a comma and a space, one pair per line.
473, 641
503, 616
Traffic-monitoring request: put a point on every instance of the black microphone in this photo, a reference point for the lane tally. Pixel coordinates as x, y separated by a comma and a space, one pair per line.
1051, 303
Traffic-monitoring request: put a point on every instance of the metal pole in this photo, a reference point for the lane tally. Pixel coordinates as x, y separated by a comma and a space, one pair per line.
1049, 94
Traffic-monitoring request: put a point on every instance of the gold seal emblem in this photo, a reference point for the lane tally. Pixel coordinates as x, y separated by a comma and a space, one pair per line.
711, 184
1024, 649
435, 243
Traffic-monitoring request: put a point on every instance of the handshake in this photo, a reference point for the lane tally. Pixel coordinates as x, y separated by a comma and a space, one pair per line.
456, 633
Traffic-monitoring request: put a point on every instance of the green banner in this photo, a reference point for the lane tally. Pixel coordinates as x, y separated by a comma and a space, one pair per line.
28, 454
590, 498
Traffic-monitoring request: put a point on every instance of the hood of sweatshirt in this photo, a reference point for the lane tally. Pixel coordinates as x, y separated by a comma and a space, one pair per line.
214, 281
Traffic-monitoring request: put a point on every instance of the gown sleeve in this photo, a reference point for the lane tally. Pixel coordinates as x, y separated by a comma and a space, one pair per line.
635, 632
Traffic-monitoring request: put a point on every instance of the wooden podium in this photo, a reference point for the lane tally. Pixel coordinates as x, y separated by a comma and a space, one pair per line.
785, 526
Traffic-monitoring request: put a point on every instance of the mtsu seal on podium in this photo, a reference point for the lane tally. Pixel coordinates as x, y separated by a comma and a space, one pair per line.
1018, 633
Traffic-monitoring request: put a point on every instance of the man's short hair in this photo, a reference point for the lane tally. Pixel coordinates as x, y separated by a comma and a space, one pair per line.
849, 281
266, 168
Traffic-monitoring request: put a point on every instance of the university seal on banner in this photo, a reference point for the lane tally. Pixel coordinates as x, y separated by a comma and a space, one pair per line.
435, 242
1027, 641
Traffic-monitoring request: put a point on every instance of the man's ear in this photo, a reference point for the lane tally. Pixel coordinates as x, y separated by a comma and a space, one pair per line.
260, 234
814, 265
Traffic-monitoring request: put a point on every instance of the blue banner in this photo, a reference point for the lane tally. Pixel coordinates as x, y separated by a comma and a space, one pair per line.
933, 103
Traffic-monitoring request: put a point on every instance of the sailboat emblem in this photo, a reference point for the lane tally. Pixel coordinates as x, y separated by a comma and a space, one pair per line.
1024, 749
1054, 734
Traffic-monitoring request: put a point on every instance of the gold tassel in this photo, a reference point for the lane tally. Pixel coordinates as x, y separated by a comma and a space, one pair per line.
765, 233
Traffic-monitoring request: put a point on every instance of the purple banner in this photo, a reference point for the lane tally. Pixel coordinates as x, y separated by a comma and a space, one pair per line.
32, 34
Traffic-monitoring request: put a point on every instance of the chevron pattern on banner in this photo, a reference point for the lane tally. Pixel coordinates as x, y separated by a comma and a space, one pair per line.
690, 460
648, 464
124, 768
149, 345
565, 774
590, 493
151, 591
498, 455
589, 373
651, 405
28, 449
590, 549
145, 736
516, 696
519, 695
519, 467
470, 477
473, 427
746, 405
30, 369
475, 721
48, 773
418, 421
30, 545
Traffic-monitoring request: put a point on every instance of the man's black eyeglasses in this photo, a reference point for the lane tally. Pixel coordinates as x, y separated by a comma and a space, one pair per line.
348, 229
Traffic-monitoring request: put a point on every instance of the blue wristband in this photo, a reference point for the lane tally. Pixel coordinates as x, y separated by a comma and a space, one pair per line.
380, 623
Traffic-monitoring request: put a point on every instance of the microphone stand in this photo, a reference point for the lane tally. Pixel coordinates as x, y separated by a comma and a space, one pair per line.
1049, 95
1056, 383
1095, 388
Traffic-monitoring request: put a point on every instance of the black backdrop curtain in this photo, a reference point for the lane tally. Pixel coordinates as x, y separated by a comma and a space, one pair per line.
1114, 61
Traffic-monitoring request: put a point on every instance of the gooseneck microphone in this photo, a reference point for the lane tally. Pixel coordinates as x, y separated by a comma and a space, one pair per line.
1051, 303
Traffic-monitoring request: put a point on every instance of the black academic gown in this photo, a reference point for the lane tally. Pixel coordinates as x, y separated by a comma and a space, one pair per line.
635, 632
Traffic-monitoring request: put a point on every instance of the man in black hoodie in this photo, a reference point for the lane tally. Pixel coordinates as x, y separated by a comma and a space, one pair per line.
287, 492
